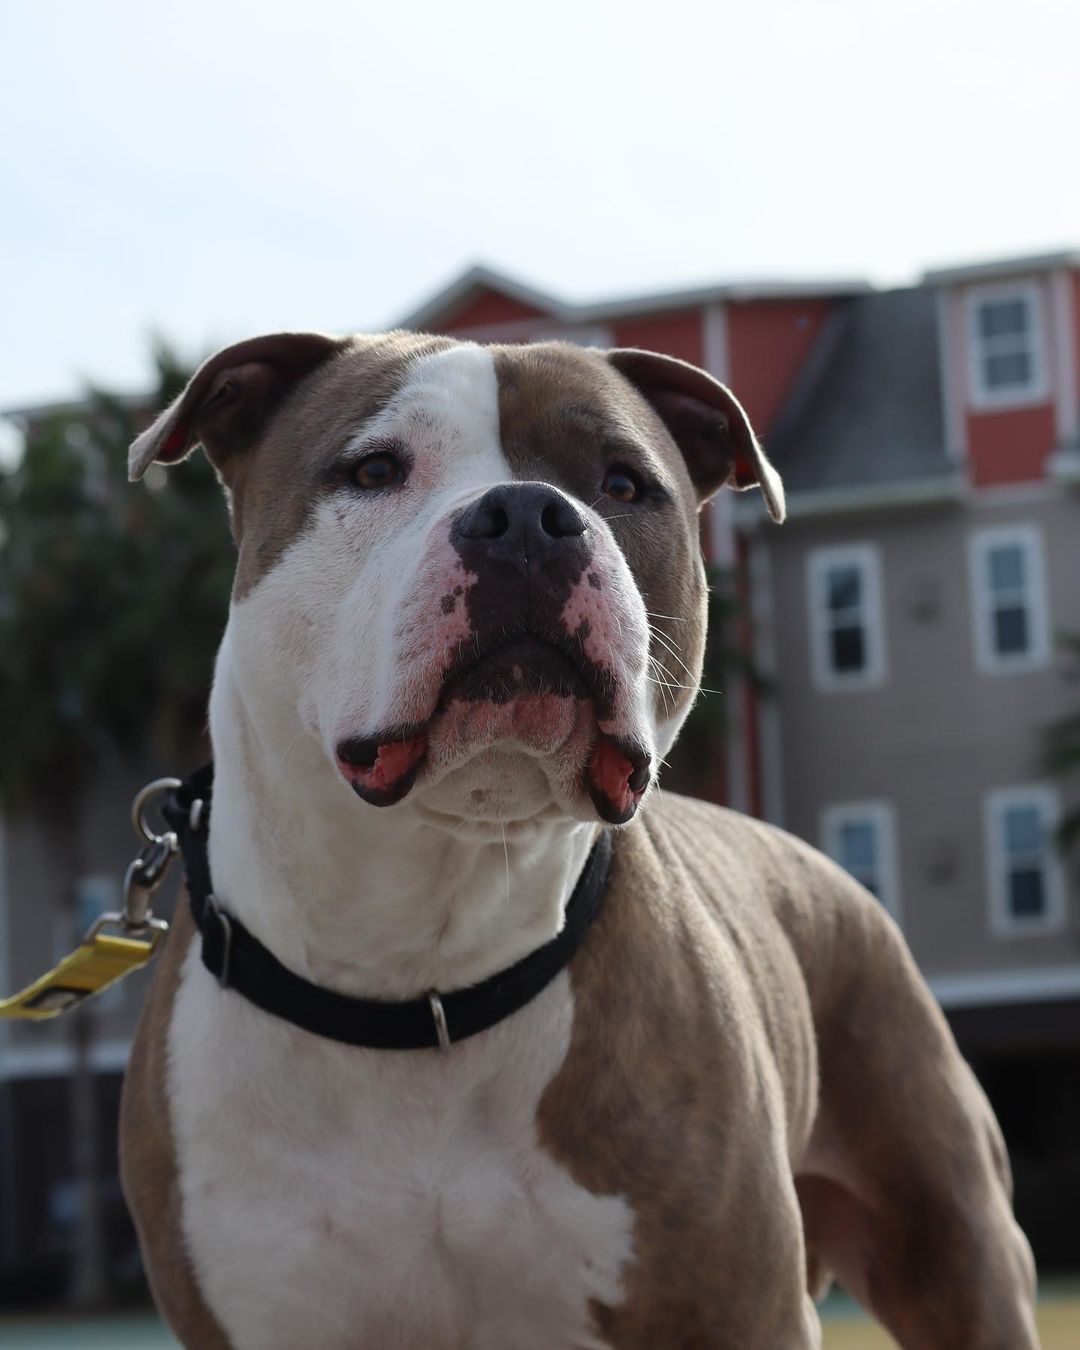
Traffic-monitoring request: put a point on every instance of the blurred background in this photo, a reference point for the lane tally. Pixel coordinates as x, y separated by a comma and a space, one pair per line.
864, 218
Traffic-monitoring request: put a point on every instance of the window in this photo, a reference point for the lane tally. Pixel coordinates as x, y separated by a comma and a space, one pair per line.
846, 633
1005, 346
861, 837
1027, 891
1009, 599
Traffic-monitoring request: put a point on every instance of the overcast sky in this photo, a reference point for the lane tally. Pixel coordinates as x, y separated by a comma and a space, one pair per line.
212, 170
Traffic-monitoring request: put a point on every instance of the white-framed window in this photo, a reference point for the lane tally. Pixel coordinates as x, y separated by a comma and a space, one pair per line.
847, 632
1008, 596
1026, 878
1006, 363
861, 837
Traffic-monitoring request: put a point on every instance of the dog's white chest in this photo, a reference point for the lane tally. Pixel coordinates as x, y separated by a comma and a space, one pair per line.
341, 1198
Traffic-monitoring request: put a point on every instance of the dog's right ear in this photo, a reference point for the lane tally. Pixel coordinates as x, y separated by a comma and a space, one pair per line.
227, 401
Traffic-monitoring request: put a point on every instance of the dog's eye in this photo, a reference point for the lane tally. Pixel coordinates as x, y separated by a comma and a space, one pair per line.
380, 470
621, 485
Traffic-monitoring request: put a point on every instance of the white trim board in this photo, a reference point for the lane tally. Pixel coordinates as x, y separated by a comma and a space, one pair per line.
1067, 404
986, 987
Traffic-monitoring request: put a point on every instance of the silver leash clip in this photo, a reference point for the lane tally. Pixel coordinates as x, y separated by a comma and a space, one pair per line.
147, 870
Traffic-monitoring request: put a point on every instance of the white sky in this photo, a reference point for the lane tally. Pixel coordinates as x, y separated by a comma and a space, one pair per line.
213, 170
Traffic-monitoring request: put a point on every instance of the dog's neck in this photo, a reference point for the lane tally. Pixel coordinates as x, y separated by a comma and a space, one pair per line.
379, 903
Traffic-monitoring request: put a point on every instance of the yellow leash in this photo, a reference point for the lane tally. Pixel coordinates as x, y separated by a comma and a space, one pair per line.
92, 967
101, 959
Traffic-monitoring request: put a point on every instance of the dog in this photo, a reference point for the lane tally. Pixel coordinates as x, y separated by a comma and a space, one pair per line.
467, 624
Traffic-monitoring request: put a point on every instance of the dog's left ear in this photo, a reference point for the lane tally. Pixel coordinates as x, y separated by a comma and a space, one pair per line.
228, 400
707, 423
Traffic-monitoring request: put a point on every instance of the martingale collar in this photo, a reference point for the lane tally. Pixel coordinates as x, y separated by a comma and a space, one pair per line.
239, 961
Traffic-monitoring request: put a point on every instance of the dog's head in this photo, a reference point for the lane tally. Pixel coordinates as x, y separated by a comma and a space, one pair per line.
472, 573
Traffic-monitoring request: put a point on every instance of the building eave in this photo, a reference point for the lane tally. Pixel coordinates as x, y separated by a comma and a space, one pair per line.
481, 277
1001, 268
729, 293
943, 489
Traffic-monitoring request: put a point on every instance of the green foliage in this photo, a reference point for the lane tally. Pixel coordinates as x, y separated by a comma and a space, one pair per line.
112, 599
1061, 754
701, 743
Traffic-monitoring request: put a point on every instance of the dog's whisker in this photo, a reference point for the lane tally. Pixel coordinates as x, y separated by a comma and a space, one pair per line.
665, 695
672, 652
665, 638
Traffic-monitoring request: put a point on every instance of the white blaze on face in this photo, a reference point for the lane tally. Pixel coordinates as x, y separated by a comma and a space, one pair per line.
368, 606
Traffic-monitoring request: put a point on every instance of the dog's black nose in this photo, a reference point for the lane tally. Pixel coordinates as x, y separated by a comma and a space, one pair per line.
527, 519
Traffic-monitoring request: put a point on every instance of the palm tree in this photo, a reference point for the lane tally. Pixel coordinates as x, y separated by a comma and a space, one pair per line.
112, 601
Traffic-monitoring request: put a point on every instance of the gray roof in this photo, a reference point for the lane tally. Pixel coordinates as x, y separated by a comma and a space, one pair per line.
866, 408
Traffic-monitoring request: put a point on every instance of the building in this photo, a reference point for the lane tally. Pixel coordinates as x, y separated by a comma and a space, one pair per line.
907, 612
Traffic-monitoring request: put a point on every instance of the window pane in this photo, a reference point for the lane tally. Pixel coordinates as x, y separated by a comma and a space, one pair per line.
1023, 830
844, 587
858, 846
1010, 630
1007, 567
1027, 896
848, 649
1007, 370
1001, 318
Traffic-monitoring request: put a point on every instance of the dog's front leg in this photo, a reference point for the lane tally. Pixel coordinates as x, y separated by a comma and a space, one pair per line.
905, 1189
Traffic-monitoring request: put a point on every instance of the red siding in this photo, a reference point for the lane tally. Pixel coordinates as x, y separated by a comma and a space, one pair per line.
484, 308
751, 724
673, 334
767, 343
1010, 446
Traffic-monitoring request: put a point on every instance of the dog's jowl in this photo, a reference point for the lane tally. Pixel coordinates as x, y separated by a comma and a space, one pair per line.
543, 1059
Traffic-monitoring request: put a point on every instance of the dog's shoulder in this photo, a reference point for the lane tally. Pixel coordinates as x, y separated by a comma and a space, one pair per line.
148, 1163
765, 887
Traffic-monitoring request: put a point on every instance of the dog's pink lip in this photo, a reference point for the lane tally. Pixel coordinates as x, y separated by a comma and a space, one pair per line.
617, 776
382, 769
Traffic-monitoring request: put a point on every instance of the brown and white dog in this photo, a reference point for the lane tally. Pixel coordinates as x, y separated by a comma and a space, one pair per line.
467, 624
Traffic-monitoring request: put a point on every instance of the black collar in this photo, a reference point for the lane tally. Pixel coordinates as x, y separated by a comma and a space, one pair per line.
239, 961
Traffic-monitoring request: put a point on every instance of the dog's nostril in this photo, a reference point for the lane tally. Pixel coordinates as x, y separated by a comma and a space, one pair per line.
496, 522
559, 519
487, 520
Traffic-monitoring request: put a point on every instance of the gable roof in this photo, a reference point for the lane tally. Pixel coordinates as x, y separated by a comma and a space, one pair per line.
472, 282
867, 409
475, 280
